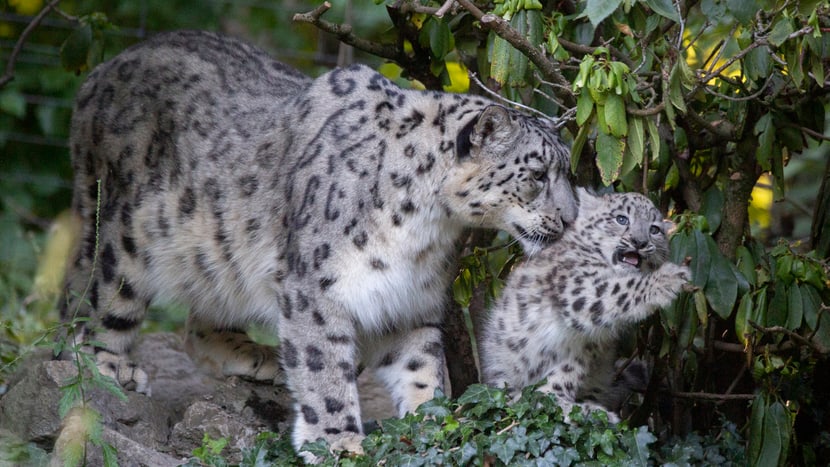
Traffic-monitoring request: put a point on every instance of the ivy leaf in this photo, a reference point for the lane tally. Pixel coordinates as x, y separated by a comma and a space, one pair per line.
598, 10
609, 157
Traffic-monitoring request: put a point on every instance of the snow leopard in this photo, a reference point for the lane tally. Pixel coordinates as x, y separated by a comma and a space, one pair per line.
327, 210
561, 311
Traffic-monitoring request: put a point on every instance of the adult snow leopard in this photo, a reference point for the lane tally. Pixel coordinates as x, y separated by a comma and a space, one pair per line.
326, 209
562, 309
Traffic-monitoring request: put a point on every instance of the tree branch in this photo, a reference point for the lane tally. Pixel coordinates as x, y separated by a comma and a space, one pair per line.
8, 74
344, 33
713, 397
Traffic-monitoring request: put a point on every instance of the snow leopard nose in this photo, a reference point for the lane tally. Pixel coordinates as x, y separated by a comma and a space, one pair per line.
639, 243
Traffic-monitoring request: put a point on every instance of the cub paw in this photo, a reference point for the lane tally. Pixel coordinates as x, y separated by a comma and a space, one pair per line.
123, 371
669, 281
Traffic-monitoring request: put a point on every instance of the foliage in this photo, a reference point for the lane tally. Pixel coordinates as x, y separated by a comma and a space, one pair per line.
482, 427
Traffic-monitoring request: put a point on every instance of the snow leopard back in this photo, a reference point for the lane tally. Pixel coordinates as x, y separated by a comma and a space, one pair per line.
561, 310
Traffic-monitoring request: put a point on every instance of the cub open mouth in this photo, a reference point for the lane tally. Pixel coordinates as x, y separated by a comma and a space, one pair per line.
629, 257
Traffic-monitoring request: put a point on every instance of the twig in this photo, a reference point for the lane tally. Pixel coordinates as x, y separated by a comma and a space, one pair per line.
8, 74
792, 335
809, 132
344, 33
588, 50
713, 397
444, 8
504, 430
505, 100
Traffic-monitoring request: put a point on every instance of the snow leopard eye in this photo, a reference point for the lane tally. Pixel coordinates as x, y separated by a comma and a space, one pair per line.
655, 230
622, 220
539, 175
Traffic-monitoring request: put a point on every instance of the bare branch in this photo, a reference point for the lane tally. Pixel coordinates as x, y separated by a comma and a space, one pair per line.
344, 33
444, 8
795, 337
499, 97
573, 47
8, 74
713, 397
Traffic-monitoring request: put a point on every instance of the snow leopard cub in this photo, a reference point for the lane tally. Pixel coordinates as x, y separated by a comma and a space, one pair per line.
562, 309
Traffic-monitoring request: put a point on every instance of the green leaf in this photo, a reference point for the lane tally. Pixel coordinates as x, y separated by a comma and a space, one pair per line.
721, 286
742, 317
676, 87
584, 107
13, 103
598, 10
609, 157
777, 312
766, 139
481, 393
500, 59
517, 74
810, 304
742, 10
792, 55
712, 207
462, 288
701, 261
615, 116
759, 311
664, 8
756, 428
687, 319
757, 63
796, 307
780, 31
776, 434
653, 138
441, 40
636, 139
75, 50
579, 143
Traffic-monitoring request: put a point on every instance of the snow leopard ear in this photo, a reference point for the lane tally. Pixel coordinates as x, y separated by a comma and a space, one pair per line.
586, 196
493, 127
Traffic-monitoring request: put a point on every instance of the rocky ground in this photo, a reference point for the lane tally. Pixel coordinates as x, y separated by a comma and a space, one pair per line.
161, 430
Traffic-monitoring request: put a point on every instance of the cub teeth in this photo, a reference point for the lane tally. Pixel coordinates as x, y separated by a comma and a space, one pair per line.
629, 257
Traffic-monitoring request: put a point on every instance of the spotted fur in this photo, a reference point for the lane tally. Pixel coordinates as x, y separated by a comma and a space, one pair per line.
325, 209
562, 310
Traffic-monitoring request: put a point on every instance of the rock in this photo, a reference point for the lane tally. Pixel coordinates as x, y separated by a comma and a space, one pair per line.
162, 430
30, 409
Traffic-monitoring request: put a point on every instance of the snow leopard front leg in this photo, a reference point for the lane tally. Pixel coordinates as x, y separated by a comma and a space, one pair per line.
321, 372
410, 364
